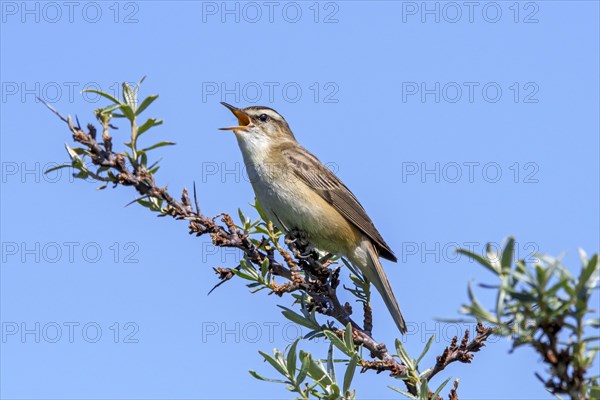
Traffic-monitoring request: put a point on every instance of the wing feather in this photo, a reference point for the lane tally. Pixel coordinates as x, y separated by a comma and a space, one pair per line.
313, 173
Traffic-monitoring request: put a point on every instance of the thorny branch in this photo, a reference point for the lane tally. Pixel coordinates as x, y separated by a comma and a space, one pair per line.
317, 280
462, 352
567, 376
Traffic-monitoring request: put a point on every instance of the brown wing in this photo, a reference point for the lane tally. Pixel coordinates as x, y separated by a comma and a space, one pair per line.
311, 171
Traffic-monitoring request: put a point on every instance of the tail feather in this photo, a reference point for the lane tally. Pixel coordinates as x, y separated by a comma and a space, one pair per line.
374, 272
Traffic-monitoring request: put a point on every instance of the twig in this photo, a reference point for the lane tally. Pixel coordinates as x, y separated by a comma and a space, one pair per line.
319, 282
305, 271
462, 352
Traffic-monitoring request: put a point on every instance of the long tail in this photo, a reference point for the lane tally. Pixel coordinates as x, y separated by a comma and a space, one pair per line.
375, 273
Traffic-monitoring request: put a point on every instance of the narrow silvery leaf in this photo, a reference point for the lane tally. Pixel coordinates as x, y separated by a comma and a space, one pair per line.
145, 103
305, 359
129, 96
298, 319
424, 390
127, 111
274, 363
157, 145
264, 266
508, 253
150, 123
318, 373
349, 375
439, 389
493, 257
72, 154
406, 359
501, 296
291, 358
589, 274
103, 94
56, 168
479, 259
336, 341
582, 256
348, 337
426, 349
262, 378
330, 366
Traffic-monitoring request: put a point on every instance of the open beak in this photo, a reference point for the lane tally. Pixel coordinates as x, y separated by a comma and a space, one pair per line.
243, 118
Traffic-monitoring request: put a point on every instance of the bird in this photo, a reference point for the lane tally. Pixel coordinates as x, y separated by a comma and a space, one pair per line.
297, 192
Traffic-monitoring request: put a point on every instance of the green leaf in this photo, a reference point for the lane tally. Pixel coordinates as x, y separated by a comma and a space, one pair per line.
305, 359
424, 390
586, 277
72, 154
264, 266
476, 309
103, 94
562, 284
337, 342
349, 375
404, 357
522, 276
157, 145
137, 85
127, 111
507, 254
426, 349
439, 389
591, 339
493, 258
291, 358
501, 296
129, 96
582, 256
150, 123
274, 363
593, 322
330, 366
260, 211
318, 373
523, 297
297, 318
109, 109
82, 175
542, 277
349, 341
262, 378
145, 103
144, 158
57, 168
245, 275
479, 259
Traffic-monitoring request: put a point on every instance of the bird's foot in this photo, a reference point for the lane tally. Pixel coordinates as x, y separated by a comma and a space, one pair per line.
324, 261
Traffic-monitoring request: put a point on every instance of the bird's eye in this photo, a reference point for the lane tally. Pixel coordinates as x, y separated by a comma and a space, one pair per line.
263, 117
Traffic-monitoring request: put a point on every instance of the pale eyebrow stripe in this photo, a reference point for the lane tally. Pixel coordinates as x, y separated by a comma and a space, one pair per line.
272, 114
255, 112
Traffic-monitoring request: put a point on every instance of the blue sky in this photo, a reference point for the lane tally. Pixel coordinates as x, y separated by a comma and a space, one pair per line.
453, 124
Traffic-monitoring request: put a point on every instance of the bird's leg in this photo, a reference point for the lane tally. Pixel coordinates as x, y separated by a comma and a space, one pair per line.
308, 252
297, 238
325, 259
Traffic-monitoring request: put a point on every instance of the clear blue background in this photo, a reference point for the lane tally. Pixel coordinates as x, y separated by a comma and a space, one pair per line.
368, 136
